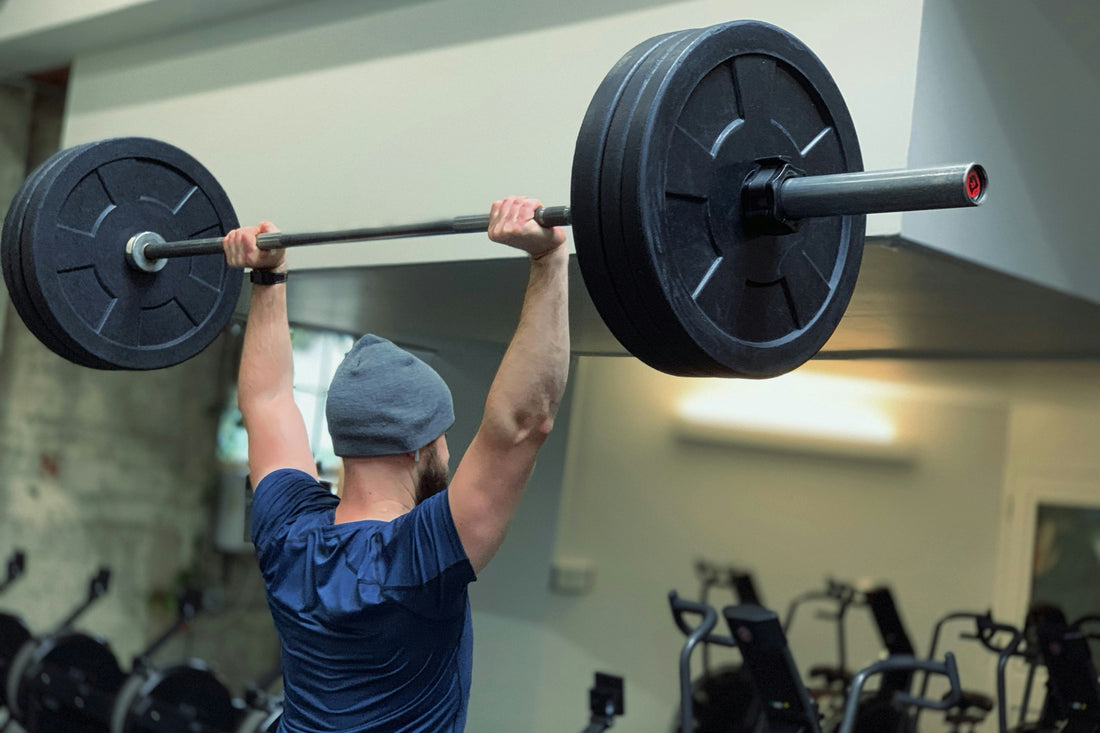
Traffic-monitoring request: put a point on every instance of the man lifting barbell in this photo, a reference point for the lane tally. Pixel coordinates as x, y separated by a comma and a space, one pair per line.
368, 592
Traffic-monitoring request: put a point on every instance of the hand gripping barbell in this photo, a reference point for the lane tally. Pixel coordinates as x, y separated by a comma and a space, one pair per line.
717, 206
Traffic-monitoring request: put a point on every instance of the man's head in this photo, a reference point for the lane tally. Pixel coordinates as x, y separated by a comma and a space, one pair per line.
385, 401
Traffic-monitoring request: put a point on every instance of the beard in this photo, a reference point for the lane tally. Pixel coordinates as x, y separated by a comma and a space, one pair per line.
435, 477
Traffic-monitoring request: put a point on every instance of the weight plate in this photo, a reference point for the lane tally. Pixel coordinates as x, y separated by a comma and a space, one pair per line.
585, 194
725, 300
13, 635
184, 696
45, 327
68, 684
13, 683
73, 253
664, 346
9, 245
617, 154
14, 277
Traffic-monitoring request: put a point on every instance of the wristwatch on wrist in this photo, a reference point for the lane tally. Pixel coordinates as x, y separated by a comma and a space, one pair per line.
267, 277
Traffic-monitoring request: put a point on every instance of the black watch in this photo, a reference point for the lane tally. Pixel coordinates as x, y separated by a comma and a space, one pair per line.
267, 277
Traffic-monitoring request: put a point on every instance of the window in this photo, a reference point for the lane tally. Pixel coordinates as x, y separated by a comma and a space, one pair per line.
316, 355
1066, 569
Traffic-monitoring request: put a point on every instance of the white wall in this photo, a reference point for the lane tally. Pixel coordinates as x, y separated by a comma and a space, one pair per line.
1015, 86
39, 35
26, 17
331, 115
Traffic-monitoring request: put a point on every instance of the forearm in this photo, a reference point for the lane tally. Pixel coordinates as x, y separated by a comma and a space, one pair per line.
267, 367
529, 384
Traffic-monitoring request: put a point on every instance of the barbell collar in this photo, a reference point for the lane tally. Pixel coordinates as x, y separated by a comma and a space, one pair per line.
875, 192
146, 252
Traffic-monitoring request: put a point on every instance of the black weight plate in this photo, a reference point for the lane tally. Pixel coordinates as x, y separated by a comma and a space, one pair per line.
73, 253
13, 683
9, 244
53, 339
69, 685
732, 302
14, 277
184, 696
663, 345
13, 635
585, 184
635, 334
45, 327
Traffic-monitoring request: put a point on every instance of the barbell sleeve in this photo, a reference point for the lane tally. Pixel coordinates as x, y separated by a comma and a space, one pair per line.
945, 187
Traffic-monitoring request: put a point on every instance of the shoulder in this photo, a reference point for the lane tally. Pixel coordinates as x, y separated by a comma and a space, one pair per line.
283, 477
428, 570
284, 495
430, 529
434, 513
291, 484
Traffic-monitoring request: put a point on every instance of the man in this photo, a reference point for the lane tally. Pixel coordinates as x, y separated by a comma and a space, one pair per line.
368, 591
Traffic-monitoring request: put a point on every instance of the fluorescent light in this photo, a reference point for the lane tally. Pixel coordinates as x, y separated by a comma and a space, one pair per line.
801, 412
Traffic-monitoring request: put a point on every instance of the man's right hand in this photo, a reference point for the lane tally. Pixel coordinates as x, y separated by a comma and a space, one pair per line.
241, 250
512, 222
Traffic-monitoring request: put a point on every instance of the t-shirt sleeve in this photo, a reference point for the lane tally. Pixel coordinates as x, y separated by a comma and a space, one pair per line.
429, 570
282, 497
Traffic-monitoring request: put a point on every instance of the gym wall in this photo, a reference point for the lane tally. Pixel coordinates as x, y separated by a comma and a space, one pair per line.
1028, 115
951, 531
15, 115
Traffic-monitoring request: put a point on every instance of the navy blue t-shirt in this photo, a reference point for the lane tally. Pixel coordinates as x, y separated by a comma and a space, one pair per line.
373, 616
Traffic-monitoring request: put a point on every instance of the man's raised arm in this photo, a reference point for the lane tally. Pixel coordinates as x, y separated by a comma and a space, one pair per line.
525, 393
277, 435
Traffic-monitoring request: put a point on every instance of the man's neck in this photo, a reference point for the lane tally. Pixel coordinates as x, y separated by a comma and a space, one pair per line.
381, 488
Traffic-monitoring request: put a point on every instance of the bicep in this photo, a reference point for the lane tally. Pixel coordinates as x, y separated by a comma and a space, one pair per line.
485, 492
277, 438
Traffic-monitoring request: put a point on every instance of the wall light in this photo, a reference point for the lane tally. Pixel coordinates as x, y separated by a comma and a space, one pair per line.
799, 412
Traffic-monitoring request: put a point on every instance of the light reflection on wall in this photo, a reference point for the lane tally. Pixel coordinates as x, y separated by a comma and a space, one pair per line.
798, 411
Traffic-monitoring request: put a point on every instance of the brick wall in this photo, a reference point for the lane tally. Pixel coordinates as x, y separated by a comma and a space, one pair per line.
116, 469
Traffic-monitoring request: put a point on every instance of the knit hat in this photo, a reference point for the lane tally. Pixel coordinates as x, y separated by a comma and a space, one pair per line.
384, 401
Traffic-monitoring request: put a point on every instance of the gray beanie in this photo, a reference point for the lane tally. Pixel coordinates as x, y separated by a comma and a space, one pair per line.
384, 401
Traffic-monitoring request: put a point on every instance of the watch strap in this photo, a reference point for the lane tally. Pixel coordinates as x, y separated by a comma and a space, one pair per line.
267, 277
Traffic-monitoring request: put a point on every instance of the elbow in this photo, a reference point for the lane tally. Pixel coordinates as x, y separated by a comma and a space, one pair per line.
532, 429
247, 405
541, 429
519, 427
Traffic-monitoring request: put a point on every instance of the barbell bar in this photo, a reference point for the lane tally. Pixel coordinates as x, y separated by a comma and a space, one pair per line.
718, 203
797, 197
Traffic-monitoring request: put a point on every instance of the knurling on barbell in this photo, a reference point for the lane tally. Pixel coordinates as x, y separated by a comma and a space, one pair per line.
717, 202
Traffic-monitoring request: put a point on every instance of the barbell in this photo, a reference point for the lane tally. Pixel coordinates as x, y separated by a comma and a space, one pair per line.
717, 202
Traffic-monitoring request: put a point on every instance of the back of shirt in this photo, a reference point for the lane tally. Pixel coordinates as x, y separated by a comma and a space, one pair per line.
373, 616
